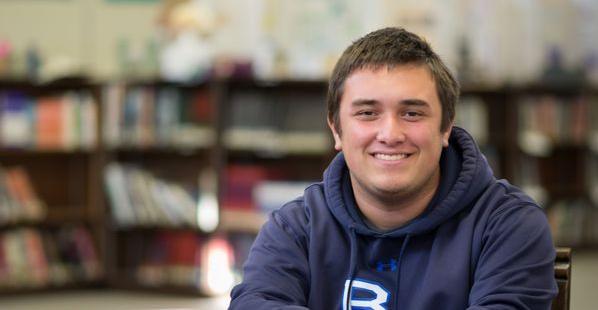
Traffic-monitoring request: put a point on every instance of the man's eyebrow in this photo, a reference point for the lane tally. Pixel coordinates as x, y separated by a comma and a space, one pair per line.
364, 102
407, 102
414, 102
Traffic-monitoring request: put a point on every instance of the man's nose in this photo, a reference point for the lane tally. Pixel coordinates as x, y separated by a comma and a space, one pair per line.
391, 130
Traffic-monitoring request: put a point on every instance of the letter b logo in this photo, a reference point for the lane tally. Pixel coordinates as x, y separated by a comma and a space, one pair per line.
377, 295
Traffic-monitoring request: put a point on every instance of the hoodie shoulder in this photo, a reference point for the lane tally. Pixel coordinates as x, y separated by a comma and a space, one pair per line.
514, 197
294, 216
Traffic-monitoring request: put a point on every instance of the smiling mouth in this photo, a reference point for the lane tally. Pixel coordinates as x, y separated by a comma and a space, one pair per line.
390, 157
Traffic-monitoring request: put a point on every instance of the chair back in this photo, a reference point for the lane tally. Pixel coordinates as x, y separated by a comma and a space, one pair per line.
562, 273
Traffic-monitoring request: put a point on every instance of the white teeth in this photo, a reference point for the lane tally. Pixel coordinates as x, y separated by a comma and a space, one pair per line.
390, 157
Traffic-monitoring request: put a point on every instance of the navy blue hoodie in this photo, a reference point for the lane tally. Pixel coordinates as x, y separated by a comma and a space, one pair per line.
480, 244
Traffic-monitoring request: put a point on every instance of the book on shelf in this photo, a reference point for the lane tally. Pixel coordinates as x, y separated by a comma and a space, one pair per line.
252, 122
88, 257
532, 140
74, 247
579, 120
549, 121
49, 124
19, 201
528, 178
32, 258
167, 114
16, 120
58, 272
67, 121
36, 257
591, 178
271, 195
593, 124
144, 116
250, 192
138, 198
111, 119
184, 259
239, 182
304, 128
293, 123
571, 223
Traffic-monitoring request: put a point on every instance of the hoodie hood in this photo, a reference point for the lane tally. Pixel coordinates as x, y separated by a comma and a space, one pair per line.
461, 163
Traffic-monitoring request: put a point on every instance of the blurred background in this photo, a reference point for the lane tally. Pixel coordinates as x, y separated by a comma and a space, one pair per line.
144, 142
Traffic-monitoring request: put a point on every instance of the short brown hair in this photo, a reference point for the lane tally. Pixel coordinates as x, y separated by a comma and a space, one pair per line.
391, 47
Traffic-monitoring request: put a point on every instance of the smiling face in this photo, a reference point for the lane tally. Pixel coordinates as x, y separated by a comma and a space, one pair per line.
390, 120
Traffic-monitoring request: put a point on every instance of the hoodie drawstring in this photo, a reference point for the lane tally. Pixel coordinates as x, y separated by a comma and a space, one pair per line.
399, 263
352, 265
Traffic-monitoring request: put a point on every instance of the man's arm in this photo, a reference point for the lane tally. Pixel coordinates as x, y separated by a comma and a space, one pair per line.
515, 269
276, 272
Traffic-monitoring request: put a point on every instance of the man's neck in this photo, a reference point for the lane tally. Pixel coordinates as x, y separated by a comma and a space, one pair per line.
393, 212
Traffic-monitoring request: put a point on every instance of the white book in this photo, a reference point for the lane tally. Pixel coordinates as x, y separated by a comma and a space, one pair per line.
112, 108
120, 202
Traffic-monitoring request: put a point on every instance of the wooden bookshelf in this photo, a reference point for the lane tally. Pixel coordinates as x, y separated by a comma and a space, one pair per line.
63, 177
192, 139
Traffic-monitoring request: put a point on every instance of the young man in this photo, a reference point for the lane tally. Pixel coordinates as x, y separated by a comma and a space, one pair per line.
409, 215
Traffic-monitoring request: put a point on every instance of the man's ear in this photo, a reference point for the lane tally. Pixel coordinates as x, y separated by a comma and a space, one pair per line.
335, 135
446, 135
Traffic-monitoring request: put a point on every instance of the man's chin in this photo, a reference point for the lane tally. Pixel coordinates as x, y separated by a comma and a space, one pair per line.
391, 191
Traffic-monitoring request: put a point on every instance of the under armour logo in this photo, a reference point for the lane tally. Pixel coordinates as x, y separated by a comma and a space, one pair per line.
391, 266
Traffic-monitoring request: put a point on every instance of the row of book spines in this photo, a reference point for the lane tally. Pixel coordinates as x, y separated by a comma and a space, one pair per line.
185, 259
528, 174
67, 121
31, 258
144, 116
138, 198
19, 202
573, 223
257, 188
560, 121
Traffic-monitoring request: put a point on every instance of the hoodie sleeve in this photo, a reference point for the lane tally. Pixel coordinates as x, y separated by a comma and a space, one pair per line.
515, 269
276, 272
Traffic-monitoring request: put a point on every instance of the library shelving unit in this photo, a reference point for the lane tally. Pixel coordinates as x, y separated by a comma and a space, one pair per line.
51, 230
159, 186
543, 138
556, 157
274, 138
183, 169
275, 142
161, 179
487, 114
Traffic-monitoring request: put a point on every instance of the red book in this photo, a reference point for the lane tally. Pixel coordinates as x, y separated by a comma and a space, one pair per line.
21, 188
239, 184
183, 248
202, 108
36, 256
87, 253
49, 125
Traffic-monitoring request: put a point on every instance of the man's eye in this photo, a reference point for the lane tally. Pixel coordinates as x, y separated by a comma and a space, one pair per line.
366, 113
413, 115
